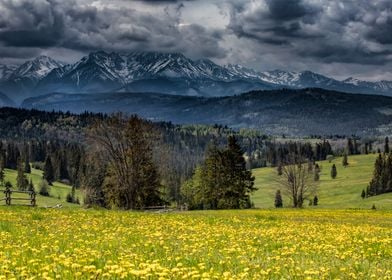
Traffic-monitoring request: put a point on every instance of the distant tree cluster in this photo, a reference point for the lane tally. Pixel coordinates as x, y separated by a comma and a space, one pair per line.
382, 176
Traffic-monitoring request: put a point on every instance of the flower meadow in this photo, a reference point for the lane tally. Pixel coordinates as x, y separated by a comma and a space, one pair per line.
251, 244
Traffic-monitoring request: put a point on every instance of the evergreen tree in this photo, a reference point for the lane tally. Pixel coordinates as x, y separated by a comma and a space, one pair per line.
382, 176
31, 186
350, 147
363, 194
386, 145
2, 175
279, 169
315, 200
48, 173
44, 188
71, 197
223, 181
92, 181
27, 168
278, 199
345, 160
317, 171
132, 180
21, 180
366, 148
334, 172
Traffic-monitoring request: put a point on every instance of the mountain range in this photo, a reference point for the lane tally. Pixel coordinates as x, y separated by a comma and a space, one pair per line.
167, 73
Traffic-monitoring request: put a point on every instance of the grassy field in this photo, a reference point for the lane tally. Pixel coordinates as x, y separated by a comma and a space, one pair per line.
58, 191
343, 192
250, 244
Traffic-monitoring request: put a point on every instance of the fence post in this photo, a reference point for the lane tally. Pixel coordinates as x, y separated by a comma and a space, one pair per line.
7, 193
32, 196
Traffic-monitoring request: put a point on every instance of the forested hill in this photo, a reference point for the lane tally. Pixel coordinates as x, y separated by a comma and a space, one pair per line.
290, 112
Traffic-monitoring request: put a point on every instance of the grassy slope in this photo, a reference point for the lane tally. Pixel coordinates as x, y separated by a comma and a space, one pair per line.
58, 191
342, 192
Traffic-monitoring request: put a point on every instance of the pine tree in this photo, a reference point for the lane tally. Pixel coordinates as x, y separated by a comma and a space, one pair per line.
315, 200
334, 172
350, 146
48, 173
31, 186
27, 168
222, 182
363, 194
317, 171
44, 188
126, 144
21, 180
386, 145
2, 175
71, 197
345, 160
278, 199
279, 169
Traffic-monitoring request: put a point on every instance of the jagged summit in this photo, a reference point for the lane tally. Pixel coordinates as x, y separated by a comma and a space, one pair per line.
171, 73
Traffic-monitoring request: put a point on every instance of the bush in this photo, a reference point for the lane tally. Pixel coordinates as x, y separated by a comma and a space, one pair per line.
44, 188
330, 158
38, 165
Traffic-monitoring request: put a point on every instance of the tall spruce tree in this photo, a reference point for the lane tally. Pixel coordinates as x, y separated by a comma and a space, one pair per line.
363, 194
48, 173
315, 200
27, 167
386, 145
278, 199
2, 166
350, 147
222, 182
21, 179
334, 171
382, 176
345, 160
132, 180
316, 171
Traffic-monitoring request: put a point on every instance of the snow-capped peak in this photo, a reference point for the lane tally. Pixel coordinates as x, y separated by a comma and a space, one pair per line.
37, 68
6, 71
352, 81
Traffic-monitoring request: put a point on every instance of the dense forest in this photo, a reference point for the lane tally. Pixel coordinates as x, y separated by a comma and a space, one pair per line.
286, 111
71, 148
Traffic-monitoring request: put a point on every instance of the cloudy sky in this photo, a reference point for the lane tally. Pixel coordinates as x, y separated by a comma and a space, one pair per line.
339, 38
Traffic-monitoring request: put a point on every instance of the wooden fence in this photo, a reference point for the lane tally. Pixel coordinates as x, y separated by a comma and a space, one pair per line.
9, 198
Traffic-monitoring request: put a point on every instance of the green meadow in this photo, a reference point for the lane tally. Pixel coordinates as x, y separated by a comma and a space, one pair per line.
344, 192
58, 191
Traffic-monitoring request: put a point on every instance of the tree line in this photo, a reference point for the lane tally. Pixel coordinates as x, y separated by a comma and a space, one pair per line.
85, 151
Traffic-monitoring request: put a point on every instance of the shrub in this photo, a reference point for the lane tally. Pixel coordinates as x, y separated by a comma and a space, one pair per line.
44, 188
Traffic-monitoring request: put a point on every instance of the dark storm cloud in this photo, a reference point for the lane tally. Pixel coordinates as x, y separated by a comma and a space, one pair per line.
78, 25
286, 9
328, 31
29, 24
270, 33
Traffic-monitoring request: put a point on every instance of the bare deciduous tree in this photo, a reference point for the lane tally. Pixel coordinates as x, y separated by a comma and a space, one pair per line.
297, 180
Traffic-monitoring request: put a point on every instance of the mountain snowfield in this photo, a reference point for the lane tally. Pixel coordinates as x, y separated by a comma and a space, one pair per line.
170, 73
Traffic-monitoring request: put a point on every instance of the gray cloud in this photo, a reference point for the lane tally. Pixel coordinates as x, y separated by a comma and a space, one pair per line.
80, 25
328, 31
266, 34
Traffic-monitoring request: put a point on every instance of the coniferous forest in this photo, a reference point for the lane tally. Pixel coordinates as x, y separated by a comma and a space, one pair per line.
127, 162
